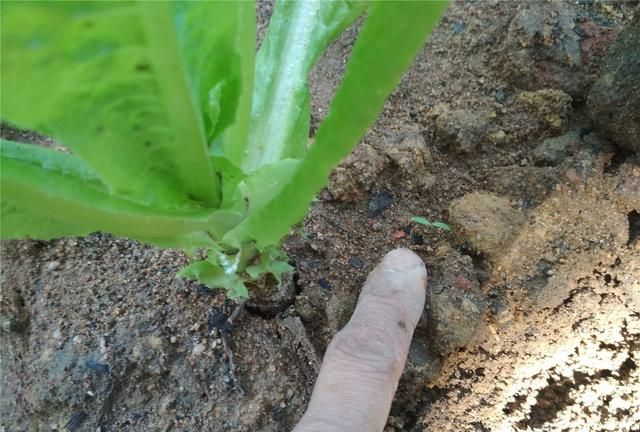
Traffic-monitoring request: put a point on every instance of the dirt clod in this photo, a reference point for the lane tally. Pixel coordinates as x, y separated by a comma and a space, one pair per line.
552, 151
548, 106
411, 157
614, 100
356, 175
460, 129
541, 49
485, 220
455, 303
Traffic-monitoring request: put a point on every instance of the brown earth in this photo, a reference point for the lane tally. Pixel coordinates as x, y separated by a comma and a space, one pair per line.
533, 313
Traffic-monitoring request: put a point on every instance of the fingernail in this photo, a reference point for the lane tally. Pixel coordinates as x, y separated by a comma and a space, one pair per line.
401, 260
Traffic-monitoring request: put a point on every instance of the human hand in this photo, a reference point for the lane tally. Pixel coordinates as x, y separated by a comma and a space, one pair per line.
363, 363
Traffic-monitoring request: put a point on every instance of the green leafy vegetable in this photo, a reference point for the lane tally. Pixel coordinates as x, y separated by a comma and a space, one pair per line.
387, 43
299, 31
179, 134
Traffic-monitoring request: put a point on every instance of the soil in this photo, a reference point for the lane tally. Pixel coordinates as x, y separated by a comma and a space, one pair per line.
533, 313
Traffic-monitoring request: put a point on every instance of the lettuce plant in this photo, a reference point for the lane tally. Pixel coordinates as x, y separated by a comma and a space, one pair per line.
179, 134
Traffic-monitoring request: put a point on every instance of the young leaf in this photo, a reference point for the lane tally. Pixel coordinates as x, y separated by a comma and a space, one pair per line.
389, 39
421, 220
128, 80
219, 44
426, 222
271, 261
299, 32
214, 276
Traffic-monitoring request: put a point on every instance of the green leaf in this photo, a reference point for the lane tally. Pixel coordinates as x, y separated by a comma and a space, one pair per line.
271, 261
214, 276
230, 177
421, 220
298, 34
46, 185
18, 223
392, 34
424, 221
258, 189
126, 86
233, 141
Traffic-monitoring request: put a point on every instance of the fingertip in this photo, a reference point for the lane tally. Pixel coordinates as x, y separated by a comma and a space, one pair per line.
398, 285
402, 260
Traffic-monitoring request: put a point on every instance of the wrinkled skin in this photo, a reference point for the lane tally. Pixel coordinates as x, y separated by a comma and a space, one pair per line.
363, 363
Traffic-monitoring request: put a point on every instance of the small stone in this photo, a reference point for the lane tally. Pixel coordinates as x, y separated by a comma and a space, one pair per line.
501, 95
51, 266
499, 137
324, 284
380, 202
356, 262
57, 334
198, 349
173, 339
195, 327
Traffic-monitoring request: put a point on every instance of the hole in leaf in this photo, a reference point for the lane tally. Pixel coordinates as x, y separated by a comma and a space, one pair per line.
143, 67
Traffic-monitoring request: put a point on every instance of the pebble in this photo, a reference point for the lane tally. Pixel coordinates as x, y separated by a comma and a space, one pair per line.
380, 202
51, 266
356, 262
173, 339
501, 95
324, 284
499, 137
198, 349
